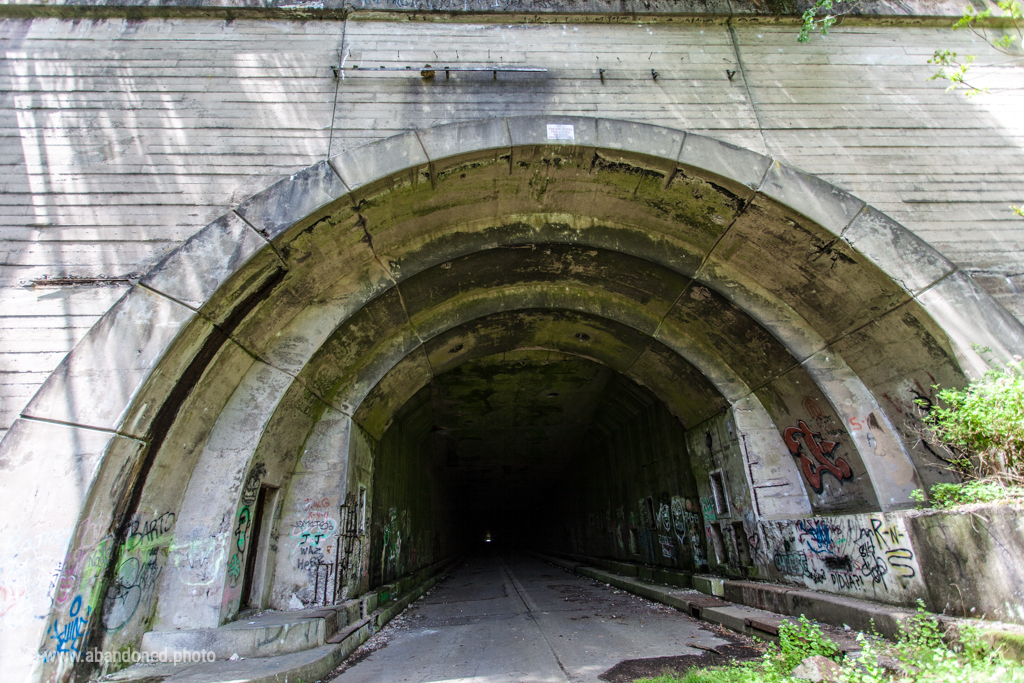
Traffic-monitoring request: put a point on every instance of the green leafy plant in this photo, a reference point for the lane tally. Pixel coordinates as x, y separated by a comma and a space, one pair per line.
945, 496
822, 16
803, 639
959, 66
922, 653
981, 428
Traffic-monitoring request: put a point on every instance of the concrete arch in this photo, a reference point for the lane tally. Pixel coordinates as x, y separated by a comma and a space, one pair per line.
118, 398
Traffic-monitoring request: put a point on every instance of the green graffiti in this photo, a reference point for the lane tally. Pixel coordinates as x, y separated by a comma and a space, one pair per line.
244, 518
234, 568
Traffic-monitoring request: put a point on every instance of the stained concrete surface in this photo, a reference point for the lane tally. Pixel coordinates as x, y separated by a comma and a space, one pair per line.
514, 618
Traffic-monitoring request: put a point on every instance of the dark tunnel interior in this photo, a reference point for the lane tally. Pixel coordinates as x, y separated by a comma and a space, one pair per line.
534, 449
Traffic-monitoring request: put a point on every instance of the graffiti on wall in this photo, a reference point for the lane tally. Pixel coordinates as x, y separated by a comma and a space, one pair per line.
396, 530
815, 454
202, 555
686, 523
666, 542
68, 635
139, 565
857, 554
243, 521
313, 532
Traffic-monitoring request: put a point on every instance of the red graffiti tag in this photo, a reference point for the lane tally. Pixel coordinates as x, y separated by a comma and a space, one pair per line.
840, 469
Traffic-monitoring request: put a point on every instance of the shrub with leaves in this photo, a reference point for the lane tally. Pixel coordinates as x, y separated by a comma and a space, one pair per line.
982, 426
921, 651
803, 639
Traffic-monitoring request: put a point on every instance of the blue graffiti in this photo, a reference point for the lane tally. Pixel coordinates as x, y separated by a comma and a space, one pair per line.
820, 536
69, 636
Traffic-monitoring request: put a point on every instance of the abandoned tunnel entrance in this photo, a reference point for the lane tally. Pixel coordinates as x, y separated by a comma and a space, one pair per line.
635, 342
512, 447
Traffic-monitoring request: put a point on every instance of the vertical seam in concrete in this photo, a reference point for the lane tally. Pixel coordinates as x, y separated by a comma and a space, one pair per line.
264, 235
863, 207
430, 162
511, 144
339, 79
746, 84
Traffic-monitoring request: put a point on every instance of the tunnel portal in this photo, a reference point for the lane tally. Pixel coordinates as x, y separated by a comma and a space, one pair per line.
636, 344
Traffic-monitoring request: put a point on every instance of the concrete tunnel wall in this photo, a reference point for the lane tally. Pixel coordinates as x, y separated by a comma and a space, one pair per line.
286, 336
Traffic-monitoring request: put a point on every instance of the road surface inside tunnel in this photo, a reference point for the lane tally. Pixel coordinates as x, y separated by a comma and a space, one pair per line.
512, 618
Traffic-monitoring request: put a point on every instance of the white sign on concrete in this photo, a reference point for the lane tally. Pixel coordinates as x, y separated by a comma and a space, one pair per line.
557, 131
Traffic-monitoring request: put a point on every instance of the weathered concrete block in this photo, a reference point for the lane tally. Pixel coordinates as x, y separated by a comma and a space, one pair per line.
96, 383
905, 257
192, 273
724, 160
471, 137
244, 638
972, 561
362, 167
709, 585
976, 324
731, 617
617, 137
293, 199
860, 615
822, 202
764, 596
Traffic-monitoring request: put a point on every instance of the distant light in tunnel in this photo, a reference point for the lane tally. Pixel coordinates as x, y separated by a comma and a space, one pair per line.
487, 537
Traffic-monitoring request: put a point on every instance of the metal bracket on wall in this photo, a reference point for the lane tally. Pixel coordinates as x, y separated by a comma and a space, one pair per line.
427, 71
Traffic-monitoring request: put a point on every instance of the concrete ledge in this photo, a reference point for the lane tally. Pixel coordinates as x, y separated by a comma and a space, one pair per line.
535, 131
733, 163
283, 633
758, 609
364, 167
465, 138
901, 254
308, 665
973, 320
622, 140
709, 584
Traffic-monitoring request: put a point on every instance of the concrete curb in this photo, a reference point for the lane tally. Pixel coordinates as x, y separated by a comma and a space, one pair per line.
309, 665
757, 608
742, 619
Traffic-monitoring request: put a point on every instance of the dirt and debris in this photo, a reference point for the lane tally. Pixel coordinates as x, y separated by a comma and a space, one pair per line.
378, 641
630, 670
